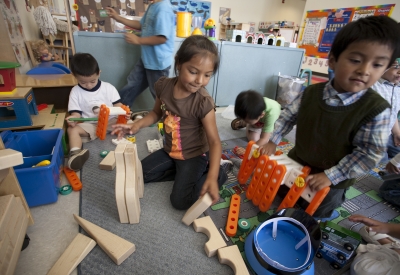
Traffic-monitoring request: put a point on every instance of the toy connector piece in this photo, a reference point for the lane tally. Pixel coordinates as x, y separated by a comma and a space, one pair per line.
197, 209
318, 198
122, 118
272, 188
102, 123
248, 164
121, 141
295, 191
153, 145
215, 241
233, 216
73, 179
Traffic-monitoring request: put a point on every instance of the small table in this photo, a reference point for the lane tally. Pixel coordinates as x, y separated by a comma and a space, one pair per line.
49, 89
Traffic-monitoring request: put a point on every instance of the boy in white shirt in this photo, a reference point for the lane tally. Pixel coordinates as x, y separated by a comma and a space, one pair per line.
84, 102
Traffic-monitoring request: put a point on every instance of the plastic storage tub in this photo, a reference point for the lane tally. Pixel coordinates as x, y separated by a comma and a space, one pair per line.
40, 184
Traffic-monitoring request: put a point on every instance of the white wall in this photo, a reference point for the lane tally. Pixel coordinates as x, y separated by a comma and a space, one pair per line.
320, 5
244, 11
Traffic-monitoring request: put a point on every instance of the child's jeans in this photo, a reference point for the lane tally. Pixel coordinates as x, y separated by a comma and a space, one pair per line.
189, 175
138, 80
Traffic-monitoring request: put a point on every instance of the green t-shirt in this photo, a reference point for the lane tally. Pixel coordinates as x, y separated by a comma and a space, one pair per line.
272, 112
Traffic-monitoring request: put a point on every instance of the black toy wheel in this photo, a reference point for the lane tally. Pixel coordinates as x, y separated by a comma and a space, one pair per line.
341, 256
325, 236
349, 246
318, 255
335, 265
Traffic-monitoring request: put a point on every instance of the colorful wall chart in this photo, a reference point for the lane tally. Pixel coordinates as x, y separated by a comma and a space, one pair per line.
321, 26
196, 8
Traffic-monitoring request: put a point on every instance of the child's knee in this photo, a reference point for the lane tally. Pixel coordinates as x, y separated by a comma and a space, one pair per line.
180, 202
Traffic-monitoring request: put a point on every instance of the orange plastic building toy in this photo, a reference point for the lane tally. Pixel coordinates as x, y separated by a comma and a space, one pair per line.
73, 179
233, 216
248, 163
102, 122
269, 173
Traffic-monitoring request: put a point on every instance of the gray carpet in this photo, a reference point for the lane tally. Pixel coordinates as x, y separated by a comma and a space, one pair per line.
164, 245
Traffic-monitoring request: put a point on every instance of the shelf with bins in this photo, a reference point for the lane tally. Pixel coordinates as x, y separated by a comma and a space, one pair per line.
232, 26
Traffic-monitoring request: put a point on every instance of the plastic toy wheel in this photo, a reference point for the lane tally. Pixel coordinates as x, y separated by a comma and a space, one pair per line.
321, 245
325, 236
349, 246
341, 256
318, 255
335, 265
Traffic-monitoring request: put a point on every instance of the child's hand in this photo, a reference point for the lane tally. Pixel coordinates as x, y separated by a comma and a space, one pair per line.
374, 225
392, 168
111, 12
132, 38
268, 149
318, 181
210, 187
71, 123
122, 129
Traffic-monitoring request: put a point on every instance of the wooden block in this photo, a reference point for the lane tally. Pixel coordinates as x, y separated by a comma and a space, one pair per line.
10, 185
120, 183
131, 192
197, 209
215, 241
139, 176
73, 255
15, 225
108, 163
231, 256
13, 251
117, 248
7, 203
10, 158
4, 244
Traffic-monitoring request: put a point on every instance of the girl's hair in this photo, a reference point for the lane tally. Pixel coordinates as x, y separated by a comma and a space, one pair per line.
84, 64
196, 45
36, 48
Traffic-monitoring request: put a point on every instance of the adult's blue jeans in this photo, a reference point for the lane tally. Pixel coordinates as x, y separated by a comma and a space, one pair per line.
189, 176
138, 80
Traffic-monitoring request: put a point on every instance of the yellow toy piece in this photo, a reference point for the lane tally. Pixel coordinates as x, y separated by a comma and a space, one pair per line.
131, 138
299, 182
256, 154
42, 163
209, 23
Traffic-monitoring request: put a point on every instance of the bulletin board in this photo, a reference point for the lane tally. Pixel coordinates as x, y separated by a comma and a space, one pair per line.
14, 31
93, 17
321, 26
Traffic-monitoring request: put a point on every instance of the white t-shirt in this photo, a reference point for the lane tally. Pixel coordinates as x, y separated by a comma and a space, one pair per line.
89, 102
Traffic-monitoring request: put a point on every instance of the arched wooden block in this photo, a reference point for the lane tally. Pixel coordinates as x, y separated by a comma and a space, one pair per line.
131, 189
231, 256
215, 241
120, 183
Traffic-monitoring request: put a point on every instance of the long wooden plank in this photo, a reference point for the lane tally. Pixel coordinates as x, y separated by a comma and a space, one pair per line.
7, 203
131, 192
120, 183
73, 255
117, 248
139, 175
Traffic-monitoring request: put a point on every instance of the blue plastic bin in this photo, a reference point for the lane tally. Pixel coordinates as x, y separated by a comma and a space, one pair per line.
40, 184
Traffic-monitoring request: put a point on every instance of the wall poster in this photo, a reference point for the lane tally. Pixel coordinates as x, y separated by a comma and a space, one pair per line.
321, 26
